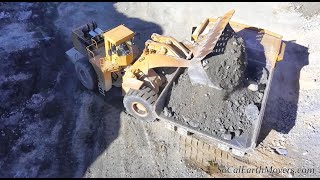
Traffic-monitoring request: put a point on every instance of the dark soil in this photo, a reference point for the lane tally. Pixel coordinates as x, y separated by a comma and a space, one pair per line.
227, 64
226, 113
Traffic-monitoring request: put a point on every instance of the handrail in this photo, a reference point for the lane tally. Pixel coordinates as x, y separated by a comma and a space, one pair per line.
101, 63
199, 30
90, 52
94, 42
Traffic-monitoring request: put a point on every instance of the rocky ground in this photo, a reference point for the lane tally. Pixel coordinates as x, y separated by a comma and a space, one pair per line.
51, 126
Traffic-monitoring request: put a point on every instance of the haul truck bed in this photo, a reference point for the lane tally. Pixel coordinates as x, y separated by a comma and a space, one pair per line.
263, 48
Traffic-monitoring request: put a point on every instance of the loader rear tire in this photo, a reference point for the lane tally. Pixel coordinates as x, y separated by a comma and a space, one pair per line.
139, 103
86, 74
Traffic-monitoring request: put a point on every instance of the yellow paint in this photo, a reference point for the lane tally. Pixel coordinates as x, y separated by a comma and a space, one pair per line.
199, 30
283, 47
146, 62
170, 41
118, 35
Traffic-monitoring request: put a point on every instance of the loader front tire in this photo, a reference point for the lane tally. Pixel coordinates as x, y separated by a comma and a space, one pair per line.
86, 74
139, 103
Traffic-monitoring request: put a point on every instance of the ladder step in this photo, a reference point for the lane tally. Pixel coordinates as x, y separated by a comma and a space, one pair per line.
101, 90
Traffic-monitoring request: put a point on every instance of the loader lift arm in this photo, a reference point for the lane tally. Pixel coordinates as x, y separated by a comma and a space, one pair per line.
165, 51
143, 66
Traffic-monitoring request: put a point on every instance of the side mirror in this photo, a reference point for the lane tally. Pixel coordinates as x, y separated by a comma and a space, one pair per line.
132, 41
109, 52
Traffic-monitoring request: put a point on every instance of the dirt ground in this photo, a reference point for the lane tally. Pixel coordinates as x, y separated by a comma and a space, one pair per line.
51, 126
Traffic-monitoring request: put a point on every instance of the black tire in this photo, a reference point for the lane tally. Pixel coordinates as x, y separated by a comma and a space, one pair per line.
86, 74
143, 98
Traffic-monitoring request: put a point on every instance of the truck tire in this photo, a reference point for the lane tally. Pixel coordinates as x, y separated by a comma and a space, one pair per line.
86, 74
139, 103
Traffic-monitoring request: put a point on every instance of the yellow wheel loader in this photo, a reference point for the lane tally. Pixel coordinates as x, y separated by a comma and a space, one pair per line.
110, 58
106, 58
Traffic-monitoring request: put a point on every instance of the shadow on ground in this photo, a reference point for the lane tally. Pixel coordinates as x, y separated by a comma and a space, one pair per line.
281, 109
73, 126
103, 113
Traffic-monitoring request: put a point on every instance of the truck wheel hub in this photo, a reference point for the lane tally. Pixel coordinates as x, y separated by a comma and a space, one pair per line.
140, 109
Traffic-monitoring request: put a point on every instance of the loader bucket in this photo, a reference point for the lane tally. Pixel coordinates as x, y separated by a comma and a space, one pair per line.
205, 46
198, 75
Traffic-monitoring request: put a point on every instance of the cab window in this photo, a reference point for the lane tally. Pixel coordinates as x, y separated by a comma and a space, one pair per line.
123, 49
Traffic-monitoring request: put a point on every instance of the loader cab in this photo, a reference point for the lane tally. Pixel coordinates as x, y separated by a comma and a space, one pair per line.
119, 45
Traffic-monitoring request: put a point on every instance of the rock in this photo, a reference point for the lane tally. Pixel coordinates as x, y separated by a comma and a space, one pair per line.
229, 103
24, 15
35, 16
276, 143
173, 109
237, 132
226, 136
252, 112
297, 7
204, 116
4, 15
253, 86
282, 138
281, 151
167, 112
222, 130
185, 119
35, 102
264, 76
193, 124
213, 132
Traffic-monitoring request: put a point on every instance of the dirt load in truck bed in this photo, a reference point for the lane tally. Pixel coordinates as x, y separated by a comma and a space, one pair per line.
226, 113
